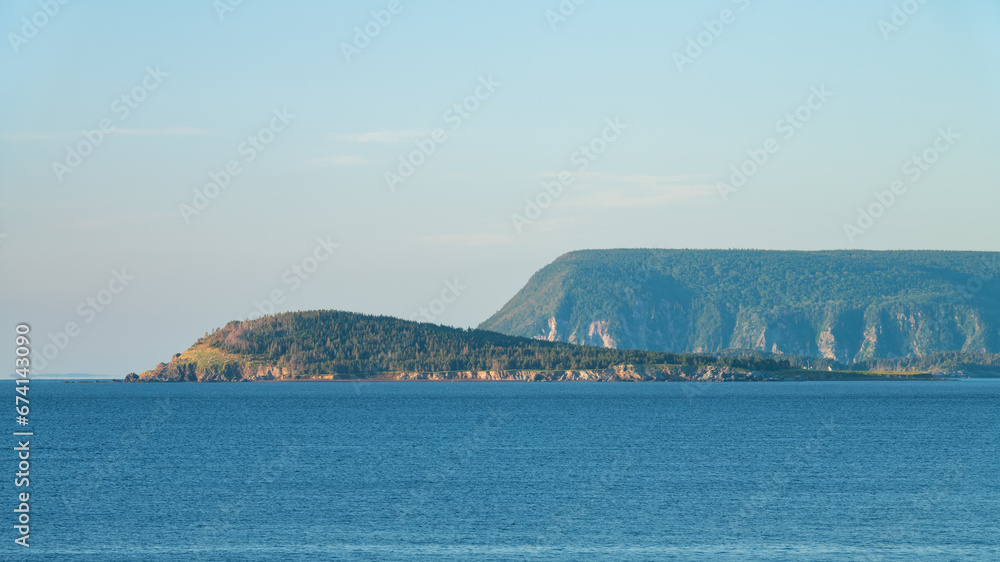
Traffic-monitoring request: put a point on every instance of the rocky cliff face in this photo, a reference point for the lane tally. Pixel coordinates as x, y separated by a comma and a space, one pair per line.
190, 372
629, 373
193, 372
847, 306
843, 335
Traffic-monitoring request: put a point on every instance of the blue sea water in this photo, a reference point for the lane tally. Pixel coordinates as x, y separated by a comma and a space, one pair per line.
512, 471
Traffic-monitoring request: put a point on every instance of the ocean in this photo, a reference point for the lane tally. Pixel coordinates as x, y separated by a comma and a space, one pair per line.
512, 471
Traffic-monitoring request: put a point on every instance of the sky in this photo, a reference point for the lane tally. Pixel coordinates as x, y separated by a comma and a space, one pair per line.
168, 167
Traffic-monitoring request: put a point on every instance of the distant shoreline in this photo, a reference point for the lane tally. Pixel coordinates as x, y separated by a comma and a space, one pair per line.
570, 376
543, 377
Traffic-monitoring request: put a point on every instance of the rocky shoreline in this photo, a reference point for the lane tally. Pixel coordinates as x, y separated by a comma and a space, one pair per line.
190, 372
633, 373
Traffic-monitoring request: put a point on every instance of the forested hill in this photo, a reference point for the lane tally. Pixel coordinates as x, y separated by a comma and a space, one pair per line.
334, 342
848, 306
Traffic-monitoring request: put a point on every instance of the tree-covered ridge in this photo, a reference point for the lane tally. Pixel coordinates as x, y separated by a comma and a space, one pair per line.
768, 277
848, 305
328, 342
350, 345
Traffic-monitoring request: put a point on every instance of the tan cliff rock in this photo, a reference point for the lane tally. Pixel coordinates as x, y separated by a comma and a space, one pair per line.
620, 373
190, 372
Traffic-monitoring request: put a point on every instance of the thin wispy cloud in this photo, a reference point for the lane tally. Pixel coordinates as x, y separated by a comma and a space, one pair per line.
161, 132
37, 136
165, 132
381, 136
645, 198
467, 239
643, 179
636, 190
342, 161
556, 224
118, 221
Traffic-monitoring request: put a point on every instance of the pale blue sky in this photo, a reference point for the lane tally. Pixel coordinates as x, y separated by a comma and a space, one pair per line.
324, 174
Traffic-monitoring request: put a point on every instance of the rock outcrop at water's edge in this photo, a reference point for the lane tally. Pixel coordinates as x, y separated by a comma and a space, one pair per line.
630, 373
190, 372
193, 372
